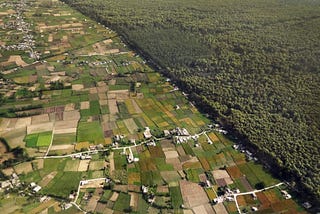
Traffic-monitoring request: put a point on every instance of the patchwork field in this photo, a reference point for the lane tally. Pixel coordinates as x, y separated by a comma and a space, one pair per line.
87, 108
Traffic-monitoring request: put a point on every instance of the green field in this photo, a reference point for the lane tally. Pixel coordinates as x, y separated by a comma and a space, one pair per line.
63, 183
38, 140
90, 131
60, 139
31, 140
72, 165
176, 198
106, 195
44, 139
122, 203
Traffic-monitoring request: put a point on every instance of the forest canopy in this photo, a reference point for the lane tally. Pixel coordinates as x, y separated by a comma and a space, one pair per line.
254, 65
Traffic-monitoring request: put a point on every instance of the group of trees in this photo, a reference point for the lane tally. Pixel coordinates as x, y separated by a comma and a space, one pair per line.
252, 64
19, 155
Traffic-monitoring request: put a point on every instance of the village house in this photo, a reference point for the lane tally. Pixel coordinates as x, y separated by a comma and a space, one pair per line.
144, 189
36, 189
6, 184
166, 133
147, 133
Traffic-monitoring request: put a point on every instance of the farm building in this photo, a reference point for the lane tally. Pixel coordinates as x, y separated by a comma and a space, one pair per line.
147, 133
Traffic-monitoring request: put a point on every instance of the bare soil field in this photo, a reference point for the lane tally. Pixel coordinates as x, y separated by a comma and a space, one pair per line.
37, 128
120, 95
102, 96
39, 163
220, 174
46, 179
61, 147
23, 122
171, 154
193, 194
234, 172
8, 171
222, 177
50, 37
83, 166
219, 208
180, 150
25, 167
93, 90
167, 145
103, 102
66, 124
91, 206
114, 196
175, 162
102, 89
12, 123
112, 166
15, 137
69, 107
121, 188
131, 125
66, 131
77, 87
18, 60
100, 208
113, 108
42, 118
134, 200
4, 124
71, 115
84, 105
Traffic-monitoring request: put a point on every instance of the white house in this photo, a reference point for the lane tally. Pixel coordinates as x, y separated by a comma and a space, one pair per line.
147, 133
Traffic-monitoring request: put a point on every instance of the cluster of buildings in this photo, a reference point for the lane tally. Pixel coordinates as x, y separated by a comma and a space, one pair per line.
15, 183
181, 135
126, 63
34, 187
228, 196
249, 155
11, 183
100, 63
82, 156
28, 42
93, 149
130, 157
149, 196
217, 128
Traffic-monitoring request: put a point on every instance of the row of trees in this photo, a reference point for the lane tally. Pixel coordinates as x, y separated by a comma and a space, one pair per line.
252, 64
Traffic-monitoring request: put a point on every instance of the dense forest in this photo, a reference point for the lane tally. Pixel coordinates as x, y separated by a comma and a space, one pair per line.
254, 65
